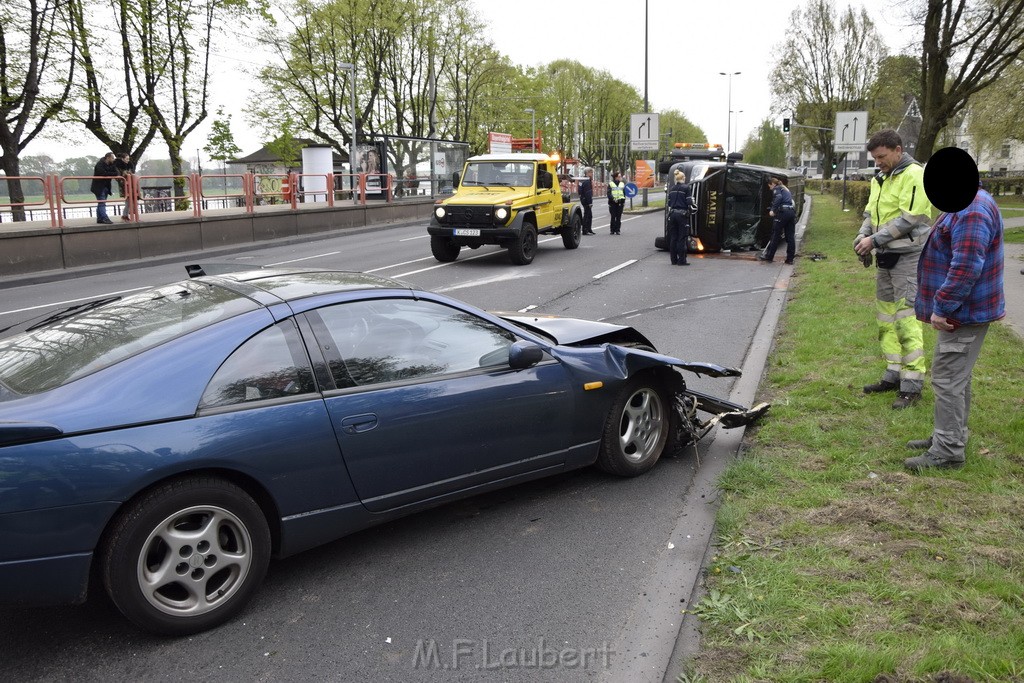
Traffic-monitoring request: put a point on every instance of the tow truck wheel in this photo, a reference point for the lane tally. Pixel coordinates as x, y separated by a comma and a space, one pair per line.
572, 235
523, 249
444, 249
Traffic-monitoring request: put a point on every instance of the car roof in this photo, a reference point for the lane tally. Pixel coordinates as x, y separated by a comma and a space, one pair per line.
515, 156
289, 284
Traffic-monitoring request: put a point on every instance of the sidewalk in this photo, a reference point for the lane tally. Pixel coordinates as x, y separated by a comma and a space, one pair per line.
1013, 283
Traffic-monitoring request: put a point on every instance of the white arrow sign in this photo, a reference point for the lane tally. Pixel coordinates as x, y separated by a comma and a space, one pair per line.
851, 131
643, 131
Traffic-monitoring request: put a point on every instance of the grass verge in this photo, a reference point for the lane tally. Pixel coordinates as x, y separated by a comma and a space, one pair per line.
832, 562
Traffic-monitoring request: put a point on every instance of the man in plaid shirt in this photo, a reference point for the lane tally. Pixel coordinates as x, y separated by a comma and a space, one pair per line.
960, 291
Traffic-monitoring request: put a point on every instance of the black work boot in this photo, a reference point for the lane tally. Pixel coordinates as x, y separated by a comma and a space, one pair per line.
905, 400
919, 463
881, 387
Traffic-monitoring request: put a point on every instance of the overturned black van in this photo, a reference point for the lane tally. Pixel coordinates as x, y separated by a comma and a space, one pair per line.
732, 200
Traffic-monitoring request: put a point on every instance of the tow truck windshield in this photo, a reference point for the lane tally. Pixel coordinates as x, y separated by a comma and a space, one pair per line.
503, 173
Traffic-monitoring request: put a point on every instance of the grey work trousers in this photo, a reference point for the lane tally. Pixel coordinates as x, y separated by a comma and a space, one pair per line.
955, 355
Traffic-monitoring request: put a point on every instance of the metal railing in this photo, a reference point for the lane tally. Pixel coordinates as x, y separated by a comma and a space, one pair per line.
188, 193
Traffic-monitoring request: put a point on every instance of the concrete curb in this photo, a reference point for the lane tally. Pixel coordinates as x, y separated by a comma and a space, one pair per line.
658, 638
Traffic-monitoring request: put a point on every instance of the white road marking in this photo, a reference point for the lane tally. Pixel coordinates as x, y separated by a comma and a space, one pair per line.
616, 268
304, 258
527, 309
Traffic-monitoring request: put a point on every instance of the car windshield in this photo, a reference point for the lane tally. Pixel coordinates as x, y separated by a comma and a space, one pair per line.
503, 173
71, 346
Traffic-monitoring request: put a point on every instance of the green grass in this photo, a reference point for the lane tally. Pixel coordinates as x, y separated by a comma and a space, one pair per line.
835, 564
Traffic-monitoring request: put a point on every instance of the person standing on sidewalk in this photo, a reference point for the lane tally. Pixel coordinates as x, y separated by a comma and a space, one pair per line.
586, 193
678, 207
960, 280
783, 213
897, 219
616, 202
101, 187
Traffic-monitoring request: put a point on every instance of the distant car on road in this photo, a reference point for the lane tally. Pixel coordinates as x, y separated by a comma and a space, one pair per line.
169, 443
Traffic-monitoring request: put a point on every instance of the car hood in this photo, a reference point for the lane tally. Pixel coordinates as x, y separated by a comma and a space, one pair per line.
487, 195
579, 332
571, 331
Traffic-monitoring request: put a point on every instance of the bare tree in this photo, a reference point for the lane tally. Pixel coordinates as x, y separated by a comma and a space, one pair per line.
826, 64
32, 57
967, 46
110, 104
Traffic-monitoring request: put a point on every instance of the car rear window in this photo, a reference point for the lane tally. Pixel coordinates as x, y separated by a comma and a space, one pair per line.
70, 346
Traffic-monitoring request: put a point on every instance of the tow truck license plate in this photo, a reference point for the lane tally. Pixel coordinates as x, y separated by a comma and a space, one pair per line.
467, 232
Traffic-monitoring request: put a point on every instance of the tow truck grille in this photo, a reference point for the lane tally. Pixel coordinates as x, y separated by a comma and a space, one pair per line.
469, 216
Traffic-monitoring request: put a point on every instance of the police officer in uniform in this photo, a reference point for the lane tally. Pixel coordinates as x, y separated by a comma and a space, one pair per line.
784, 226
616, 202
587, 200
678, 205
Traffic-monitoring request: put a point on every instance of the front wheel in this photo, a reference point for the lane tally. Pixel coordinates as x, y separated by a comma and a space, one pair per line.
187, 556
636, 430
573, 234
524, 248
444, 249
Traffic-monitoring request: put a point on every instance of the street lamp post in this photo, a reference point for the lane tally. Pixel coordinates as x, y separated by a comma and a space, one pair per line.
533, 128
737, 128
355, 134
728, 129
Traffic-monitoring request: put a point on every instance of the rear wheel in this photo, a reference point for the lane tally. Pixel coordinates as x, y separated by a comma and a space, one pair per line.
187, 556
572, 234
444, 249
637, 428
524, 248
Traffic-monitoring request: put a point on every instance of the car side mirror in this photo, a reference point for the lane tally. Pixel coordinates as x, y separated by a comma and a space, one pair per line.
524, 354
455, 179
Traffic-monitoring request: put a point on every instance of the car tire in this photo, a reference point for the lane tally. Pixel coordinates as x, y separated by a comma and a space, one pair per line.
637, 428
443, 249
572, 235
186, 556
524, 248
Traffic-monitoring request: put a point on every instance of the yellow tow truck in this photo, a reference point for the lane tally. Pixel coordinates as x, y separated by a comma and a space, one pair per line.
507, 200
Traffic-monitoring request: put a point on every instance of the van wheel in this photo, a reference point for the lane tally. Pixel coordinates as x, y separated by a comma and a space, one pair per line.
572, 235
444, 249
524, 249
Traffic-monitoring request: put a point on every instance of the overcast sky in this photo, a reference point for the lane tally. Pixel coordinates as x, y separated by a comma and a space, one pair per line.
689, 43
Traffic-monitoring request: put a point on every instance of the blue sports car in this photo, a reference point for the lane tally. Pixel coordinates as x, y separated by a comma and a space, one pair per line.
169, 443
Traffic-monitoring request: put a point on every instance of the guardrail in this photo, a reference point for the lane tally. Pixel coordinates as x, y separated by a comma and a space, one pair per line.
188, 193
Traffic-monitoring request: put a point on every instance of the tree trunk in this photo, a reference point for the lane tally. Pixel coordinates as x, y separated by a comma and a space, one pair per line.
11, 166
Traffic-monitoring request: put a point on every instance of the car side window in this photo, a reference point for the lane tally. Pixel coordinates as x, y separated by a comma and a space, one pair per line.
388, 340
272, 364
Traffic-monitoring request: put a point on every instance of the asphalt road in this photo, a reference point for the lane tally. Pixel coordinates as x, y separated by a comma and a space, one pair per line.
537, 582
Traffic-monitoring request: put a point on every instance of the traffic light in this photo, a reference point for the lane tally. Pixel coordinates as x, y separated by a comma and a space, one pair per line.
785, 125
835, 165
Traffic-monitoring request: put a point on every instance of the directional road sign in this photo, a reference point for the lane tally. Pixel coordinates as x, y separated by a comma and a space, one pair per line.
630, 190
851, 131
643, 132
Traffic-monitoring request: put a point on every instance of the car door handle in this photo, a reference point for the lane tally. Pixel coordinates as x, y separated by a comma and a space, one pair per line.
356, 424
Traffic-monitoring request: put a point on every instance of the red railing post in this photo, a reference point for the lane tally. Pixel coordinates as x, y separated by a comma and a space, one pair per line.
330, 189
293, 181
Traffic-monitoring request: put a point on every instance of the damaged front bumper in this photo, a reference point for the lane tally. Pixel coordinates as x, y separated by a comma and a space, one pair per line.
690, 428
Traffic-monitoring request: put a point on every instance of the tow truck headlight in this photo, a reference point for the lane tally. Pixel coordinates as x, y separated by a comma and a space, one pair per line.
501, 213
440, 212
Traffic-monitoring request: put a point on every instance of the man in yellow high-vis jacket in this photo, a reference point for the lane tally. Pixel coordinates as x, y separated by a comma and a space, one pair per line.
897, 220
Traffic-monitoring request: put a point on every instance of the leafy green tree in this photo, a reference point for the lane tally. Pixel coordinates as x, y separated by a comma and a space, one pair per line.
967, 47
767, 147
675, 127
897, 83
35, 74
826, 64
220, 144
997, 113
